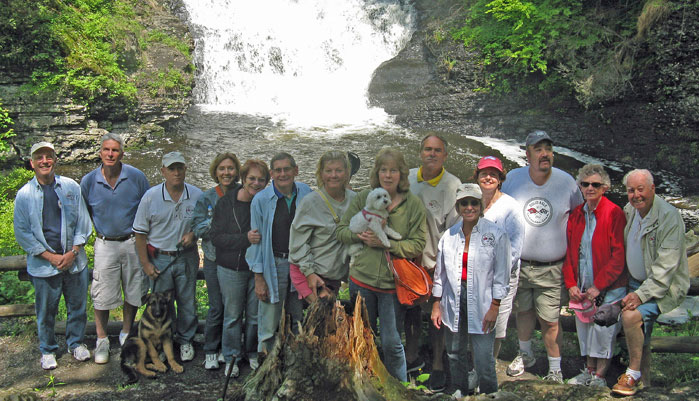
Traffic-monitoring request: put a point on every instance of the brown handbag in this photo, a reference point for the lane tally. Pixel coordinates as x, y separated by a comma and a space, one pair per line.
413, 283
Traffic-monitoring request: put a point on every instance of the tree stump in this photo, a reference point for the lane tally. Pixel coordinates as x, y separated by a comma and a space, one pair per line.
333, 357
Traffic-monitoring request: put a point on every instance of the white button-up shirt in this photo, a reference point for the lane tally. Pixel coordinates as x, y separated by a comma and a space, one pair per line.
488, 272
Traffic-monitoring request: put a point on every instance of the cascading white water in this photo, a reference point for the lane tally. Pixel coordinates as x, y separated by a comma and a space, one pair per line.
306, 62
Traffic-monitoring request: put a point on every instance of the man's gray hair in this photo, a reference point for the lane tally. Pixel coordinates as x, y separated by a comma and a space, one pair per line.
430, 135
109, 136
646, 174
282, 156
592, 169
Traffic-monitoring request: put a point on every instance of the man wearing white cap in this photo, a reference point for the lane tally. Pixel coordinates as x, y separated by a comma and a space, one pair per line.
52, 225
167, 247
547, 195
112, 193
436, 188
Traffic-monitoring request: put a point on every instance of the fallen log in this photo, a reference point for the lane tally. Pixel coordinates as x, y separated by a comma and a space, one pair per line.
333, 357
13, 263
16, 310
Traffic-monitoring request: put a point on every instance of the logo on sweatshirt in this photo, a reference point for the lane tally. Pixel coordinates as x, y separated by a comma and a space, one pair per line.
537, 211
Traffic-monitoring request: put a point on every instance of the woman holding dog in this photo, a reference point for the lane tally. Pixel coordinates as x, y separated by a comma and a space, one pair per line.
593, 270
470, 280
224, 171
319, 262
369, 272
231, 235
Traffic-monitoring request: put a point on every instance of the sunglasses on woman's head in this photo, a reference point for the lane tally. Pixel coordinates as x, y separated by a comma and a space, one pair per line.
595, 185
466, 202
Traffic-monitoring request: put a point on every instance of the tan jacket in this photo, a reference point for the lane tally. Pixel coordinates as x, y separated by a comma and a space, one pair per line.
664, 255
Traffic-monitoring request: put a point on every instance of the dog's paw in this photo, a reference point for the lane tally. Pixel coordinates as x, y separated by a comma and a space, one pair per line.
157, 365
177, 368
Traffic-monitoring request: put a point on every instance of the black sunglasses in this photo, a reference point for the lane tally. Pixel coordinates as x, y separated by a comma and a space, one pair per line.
473, 202
586, 184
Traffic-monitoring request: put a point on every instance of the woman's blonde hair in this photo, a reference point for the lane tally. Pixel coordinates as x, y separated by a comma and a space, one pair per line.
331, 156
390, 154
221, 157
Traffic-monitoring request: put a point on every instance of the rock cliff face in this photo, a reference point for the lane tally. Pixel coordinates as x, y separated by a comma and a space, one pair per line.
433, 85
75, 129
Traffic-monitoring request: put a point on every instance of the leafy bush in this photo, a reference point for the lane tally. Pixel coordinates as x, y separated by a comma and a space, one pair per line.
6, 130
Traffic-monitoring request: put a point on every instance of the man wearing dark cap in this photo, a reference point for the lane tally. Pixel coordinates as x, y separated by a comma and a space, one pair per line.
167, 247
546, 195
52, 225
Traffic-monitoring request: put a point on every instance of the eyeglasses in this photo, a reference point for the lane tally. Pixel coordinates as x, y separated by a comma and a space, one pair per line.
279, 170
472, 202
595, 185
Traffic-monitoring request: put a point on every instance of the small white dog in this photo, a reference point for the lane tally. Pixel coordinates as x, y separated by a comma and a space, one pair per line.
371, 218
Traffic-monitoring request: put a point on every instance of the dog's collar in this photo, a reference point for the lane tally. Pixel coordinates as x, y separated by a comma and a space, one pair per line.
366, 212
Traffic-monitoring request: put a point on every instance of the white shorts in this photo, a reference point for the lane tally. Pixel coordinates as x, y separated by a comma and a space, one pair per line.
506, 306
116, 268
596, 341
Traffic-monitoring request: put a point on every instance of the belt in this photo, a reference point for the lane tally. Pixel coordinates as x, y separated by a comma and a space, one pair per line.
177, 253
537, 263
283, 255
118, 239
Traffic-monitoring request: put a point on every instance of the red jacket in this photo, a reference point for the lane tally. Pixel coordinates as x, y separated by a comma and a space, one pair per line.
608, 258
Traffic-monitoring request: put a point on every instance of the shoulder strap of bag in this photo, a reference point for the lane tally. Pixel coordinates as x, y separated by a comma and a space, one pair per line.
327, 202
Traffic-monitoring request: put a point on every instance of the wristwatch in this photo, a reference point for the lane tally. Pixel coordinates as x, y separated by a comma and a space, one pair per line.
75, 253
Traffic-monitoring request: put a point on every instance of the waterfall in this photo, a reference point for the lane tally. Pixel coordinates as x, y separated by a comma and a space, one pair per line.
304, 62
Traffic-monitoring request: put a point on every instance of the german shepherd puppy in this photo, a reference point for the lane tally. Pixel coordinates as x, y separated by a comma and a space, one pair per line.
152, 334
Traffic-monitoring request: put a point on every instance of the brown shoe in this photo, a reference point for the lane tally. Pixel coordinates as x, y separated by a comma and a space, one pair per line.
626, 385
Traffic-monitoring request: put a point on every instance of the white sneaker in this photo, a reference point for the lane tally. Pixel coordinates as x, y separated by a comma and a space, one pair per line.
254, 363
211, 362
582, 379
597, 381
48, 361
234, 370
102, 350
221, 359
186, 352
122, 338
81, 353
522, 360
472, 380
554, 376
457, 394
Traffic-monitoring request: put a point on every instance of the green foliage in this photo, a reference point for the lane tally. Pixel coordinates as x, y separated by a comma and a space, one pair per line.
6, 130
169, 82
518, 38
50, 385
162, 37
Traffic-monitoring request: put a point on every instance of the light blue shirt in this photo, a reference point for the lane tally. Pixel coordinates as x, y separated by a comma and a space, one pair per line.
586, 275
260, 256
489, 263
28, 224
113, 209
163, 220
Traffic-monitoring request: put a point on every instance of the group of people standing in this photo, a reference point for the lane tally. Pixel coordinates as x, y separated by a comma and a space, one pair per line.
527, 241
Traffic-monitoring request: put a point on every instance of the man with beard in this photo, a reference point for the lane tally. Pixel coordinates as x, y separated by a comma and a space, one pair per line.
547, 195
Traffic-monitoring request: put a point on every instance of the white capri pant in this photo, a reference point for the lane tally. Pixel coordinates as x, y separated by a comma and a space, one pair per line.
596, 341
506, 305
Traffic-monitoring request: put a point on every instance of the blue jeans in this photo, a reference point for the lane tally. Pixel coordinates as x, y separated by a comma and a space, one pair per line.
47, 294
386, 307
649, 311
269, 315
238, 291
182, 277
456, 345
214, 317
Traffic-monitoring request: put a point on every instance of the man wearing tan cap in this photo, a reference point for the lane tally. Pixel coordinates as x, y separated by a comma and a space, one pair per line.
167, 247
52, 225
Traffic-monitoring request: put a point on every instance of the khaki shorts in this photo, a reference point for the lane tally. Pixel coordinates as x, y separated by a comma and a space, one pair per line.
541, 288
117, 267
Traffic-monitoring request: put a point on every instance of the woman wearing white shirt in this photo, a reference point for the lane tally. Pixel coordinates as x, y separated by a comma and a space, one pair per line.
470, 279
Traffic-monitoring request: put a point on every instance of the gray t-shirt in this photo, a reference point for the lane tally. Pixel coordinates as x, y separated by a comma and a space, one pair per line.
634, 252
545, 209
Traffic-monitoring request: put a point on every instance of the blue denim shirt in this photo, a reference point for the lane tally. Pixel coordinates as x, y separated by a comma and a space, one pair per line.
76, 226
259, 256
201, 220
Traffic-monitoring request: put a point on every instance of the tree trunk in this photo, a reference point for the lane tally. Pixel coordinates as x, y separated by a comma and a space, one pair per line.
334, 357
